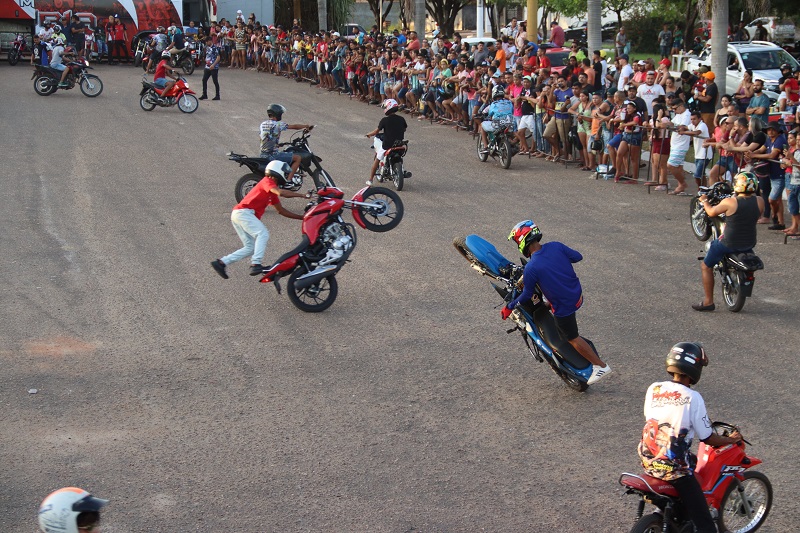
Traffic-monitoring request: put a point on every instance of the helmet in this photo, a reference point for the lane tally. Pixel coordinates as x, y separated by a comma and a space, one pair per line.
278, 170
67, 509
276, 110
498, 92
56, 28
525, 233
687, 358
171, 30
390, 106
160, 29
745, 182
165, 54
69, 50
786, 66
58, 41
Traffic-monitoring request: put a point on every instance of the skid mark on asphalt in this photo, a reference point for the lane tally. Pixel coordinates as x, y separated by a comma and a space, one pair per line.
50, 227
58, 347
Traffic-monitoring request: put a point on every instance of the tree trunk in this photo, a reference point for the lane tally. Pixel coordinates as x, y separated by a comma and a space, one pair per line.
493, 20
322, 14
719, 43
419, 18
594, 26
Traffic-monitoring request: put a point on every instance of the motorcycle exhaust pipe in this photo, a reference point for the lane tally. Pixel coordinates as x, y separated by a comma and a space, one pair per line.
315, 276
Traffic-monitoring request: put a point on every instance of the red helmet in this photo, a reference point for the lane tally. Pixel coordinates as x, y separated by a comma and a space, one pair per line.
524, 233
69, 50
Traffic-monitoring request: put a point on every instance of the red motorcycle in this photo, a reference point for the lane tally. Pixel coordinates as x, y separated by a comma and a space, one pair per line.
180, 94
18, 46
328, 241
739, 499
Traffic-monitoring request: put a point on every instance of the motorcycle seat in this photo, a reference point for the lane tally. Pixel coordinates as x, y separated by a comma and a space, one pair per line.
296, 250
747, 261
645, 483
549, 332
305, 157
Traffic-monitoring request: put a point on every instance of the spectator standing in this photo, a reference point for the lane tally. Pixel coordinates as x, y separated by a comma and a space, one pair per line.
698, 130
121, 39
792, 163
761, 33
741, 35
109, 31
625, 72
774, 147
211, 69
649, 91
620, 41
759, 103
679, 144
708, 100
665, 41
557, 34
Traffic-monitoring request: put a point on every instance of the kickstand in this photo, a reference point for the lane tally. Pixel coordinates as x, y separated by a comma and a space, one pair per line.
277, 284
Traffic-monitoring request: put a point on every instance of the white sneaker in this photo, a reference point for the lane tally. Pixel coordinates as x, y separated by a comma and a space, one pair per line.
369, 182
598, 373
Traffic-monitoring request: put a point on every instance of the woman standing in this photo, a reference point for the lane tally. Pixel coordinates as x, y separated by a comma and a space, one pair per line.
745, 91
659, 144
631, 145
583, 117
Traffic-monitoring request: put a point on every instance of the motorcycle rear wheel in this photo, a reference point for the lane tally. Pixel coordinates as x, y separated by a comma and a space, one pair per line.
397, 175
13, 57
651, 523
147, 105
460, 244
700, 222
45, 86
245, 185
188, 66
758, 491
188, 103
91, 86
482, 157
573, 382
732, 292
313, 299
505, 153
387, 215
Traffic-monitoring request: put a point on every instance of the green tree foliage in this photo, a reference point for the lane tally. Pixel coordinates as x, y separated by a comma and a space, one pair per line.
444, 13
375, 7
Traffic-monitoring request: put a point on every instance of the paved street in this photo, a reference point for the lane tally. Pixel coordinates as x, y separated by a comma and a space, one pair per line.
200, 404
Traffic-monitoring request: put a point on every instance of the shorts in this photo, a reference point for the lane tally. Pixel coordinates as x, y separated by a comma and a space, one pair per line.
607, 136
717, 251
526, 122
285, 157
160, 82
793, 194
633, 139
401, 95
778, 184
241, 47
563, 125
676, 157
567, 327
59, 67
700, 167
417, 91
728, 164
377, 144
615, 141
550, 129
659, 146
487, 126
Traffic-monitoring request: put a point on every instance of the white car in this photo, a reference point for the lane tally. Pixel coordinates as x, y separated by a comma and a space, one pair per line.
780, 31
763, 58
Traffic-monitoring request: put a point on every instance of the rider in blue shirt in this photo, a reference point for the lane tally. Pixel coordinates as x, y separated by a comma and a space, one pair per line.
550, 267
500, 109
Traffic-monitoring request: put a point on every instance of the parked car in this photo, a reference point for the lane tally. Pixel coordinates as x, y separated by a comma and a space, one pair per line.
763, 58
472, 41
780, 31
609, 31
346, 30
559, 58
576, 32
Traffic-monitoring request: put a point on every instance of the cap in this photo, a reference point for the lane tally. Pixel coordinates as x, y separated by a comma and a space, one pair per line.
624, 56
435, 33
527, 78
666, 62
640, 62
496, 74
774, 126
603, 54
484, 64
116, 16
709, 75
630, 86
238, 11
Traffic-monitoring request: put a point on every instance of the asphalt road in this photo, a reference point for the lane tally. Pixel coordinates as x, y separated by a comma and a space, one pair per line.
199, 404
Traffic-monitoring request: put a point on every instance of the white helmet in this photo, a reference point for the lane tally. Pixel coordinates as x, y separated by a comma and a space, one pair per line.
56, 28
67, 509
278, 170
58, 41
165, 54
390, 105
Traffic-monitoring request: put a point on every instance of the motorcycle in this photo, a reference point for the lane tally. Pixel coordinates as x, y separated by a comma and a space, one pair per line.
298, 144
739, 499
532, 319
736, 270
391, 168
46, 79
141, 52
198, 52
499, 142
183, 59
18, 46
328, 242
180, 94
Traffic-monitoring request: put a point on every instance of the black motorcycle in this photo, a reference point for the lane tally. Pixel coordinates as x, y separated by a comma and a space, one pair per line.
500, 145
183, 59
392, 167
736, 270
46, 79
309, 166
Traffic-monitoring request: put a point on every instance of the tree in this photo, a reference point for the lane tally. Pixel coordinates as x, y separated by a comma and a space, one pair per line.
406, 12
618, 6
444, 13
495, 8
375, 7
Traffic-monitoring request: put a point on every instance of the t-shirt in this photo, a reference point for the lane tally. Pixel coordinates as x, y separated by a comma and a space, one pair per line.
525, 106
40, 54
760, 100
119, 31
109, 31
562, 96
678, 141
664, 38
792, 84
625, 74
161, 42
394, 128
260, 197
514, 90
699, 151
212, 53
55, 59
500, 56
710, 106
270, 132
648, 93
775, 170
551, 268
675, 414
161, 70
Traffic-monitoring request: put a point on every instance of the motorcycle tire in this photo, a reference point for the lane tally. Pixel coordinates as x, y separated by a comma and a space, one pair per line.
137, 59
45, 85
188, 66
482, 156
460, 244
651, 523
505, 153
322, 178
313, 299
13, 57
731, 513
732, 292
387, 215
398, 175
147, 104
573, 382
188, 103
700, 223
91, 86
245, 184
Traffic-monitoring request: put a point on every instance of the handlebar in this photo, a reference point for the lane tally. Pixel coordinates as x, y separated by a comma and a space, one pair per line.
724, 429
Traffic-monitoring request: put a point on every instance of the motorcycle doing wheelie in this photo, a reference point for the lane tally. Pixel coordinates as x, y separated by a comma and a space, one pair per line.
46, 79
532, 319
328, 242
391, 168
500, 145
309, 166
739, 498
18, 46
179, 94
736, 270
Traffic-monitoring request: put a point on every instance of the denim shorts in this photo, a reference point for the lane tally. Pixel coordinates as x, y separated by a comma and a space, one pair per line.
633, 139
700, 167
615, 140
728, 164
793, 192
778, 185
716, 252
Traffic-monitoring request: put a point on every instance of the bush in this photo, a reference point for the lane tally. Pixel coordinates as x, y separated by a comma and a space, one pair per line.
643, 30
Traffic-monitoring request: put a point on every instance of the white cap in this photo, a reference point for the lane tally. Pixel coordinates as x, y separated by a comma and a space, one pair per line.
641, 63
239, 12
336, 34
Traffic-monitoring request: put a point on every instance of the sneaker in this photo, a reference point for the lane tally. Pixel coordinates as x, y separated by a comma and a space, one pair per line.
256, 270
369, 182
204, 97
219, 267
216, 98
777, 227
598, 373
63, 84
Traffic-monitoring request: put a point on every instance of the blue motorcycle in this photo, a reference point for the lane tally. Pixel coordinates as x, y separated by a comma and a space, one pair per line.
533, 318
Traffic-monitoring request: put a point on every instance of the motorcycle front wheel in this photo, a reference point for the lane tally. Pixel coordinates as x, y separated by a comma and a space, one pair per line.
732, 292
732, 513
188, 103
387, 212
245, 185
45, 86
313, 299
188, 66
482, 156
146, 103
91, 86
13, 57
505, 153
700, 222
322, 178
397, 175
137, 59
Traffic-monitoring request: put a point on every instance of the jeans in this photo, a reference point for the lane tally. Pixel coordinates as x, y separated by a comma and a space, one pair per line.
212, 73
253, 234
777, 184
538, 132
765, 184
694, 502
793, 192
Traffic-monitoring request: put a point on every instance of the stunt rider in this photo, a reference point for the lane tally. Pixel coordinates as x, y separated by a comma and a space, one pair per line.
500, 108
60, 55
550, 267
70, 510
741, 216
162, 71
393, 128
158, 43
675, 414
246, 218
270, 132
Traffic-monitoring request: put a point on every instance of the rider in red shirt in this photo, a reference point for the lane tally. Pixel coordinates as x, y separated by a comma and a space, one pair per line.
162, 71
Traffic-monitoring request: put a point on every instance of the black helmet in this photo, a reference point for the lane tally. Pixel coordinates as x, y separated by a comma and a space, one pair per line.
276, 110
278, 170
687, 358
786, 66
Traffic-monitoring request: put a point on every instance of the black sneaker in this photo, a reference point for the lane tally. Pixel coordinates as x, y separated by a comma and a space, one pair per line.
777, 226
216, 98
256, 270
204, 97
219, 267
